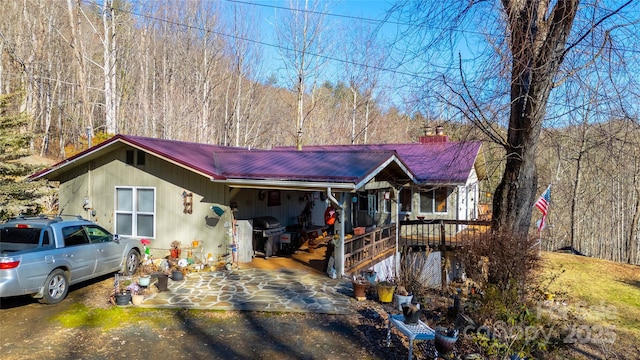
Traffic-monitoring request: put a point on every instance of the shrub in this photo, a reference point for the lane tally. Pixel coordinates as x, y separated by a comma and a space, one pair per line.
500, 259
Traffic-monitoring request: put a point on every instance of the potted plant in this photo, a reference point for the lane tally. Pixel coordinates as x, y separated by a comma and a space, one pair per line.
412, 274
371, 276
402, 296
122, 292
175, 249
136, 293
146, 269
359, 284
385, 290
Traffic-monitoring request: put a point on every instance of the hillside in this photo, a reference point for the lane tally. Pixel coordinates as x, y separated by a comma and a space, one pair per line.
600, 301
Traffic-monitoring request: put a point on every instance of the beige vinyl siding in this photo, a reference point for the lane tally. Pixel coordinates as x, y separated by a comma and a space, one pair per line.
97, 181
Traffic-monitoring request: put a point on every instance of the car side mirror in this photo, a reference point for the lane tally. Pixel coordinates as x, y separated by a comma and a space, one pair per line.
116, 238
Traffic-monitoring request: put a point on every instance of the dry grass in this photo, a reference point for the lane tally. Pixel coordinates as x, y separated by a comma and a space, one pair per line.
606, 294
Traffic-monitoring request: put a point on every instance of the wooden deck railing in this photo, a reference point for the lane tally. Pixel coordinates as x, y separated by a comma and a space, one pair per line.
439, 233
363, 251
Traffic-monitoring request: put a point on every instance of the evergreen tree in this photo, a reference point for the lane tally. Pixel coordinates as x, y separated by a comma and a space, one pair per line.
17, 195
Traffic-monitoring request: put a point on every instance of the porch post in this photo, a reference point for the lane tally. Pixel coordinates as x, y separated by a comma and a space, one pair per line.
340, 253
338, 249
395, 252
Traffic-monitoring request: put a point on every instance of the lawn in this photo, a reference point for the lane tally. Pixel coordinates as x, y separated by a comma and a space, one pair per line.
605, 295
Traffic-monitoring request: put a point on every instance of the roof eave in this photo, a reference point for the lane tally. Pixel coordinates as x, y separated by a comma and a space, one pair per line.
286, 185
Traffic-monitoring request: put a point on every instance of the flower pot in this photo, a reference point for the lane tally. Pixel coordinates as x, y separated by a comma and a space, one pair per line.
177, 275
403, 299
444, 343
371, 277
163, 281
385, 293
123, 299
137, 299
144, 280
411, 313
359, 290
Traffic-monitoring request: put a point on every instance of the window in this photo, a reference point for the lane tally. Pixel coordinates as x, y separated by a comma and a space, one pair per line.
386, 202
98, 234
363, 201
74, 235
129, 159
135, 211
140, 157
434, 201
405, 200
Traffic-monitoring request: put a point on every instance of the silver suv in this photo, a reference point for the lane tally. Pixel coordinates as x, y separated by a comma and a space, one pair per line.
43, 255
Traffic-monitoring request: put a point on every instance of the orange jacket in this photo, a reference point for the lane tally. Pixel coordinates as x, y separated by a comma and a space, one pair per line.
330, 216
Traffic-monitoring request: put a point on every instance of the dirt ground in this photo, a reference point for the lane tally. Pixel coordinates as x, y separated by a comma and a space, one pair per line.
28, 331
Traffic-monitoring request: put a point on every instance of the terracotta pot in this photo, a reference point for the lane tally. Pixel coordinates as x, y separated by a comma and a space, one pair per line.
359, 290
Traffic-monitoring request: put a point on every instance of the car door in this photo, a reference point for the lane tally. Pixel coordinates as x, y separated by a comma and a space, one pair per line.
109, 252
79, 253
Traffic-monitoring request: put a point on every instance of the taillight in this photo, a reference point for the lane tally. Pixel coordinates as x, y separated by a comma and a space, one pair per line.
22, 226
8, 263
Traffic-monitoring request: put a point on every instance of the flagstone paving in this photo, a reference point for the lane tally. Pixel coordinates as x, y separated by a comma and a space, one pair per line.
254, 289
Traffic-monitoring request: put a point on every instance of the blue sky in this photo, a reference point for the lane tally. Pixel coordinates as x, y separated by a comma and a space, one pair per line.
338, 14
343, 16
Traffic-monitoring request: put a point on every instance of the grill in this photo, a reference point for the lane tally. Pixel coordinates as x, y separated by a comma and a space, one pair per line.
265, 231
267, 226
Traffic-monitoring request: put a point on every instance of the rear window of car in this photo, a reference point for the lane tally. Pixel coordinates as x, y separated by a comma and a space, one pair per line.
20, 236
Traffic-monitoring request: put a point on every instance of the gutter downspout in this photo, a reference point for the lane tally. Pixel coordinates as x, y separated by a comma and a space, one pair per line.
395, 257
338, 247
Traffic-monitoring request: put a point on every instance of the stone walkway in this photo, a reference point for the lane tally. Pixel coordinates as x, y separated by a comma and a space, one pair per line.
252, 289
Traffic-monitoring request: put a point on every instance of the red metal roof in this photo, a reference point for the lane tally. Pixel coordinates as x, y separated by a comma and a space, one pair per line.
433, 162
442, 162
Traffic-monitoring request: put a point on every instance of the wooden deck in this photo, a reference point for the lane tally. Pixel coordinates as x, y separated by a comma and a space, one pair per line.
365, 250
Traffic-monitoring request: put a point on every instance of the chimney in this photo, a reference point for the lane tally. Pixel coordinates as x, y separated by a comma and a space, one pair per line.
429, 137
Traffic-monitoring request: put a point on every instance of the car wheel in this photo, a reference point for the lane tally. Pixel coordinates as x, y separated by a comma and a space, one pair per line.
55, 287
131, 262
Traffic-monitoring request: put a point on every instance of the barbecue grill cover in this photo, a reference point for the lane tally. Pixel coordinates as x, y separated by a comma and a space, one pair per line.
265, 222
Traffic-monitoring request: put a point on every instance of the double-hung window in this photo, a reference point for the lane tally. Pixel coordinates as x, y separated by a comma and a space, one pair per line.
135, 211
434, 201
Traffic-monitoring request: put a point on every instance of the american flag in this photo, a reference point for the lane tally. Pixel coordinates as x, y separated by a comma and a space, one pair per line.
543, 205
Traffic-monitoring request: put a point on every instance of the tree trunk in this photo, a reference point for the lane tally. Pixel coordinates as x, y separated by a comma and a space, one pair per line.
537, 44
109, 67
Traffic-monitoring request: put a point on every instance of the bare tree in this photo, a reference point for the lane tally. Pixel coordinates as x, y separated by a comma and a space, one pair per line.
539, 36
301, 41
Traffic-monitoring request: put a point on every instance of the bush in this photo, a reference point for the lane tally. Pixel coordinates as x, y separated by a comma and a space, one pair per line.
510, 306
501, 260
